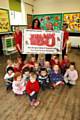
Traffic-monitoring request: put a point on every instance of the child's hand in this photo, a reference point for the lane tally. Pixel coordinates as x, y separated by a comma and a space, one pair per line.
32, 93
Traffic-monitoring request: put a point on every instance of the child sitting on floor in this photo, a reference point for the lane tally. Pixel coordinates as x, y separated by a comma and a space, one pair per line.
32, 89
36, 68
71, 75
43, 79
18, 84
47, 66
41, 60
9, 63
56, 77
26, 74
9, 76
64, 64
52, 61
30, 63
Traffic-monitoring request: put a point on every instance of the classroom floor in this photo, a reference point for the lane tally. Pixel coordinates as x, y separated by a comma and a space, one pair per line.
63, 103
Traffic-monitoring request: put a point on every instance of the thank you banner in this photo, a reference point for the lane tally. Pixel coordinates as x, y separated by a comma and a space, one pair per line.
42, 42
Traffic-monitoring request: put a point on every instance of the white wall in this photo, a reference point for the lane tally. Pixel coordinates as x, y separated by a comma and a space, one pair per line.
28, 4
56, 6
26, 9
28, 1
4, 4
75, 41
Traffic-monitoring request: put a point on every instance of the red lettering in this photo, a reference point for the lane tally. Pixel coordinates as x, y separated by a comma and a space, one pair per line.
41, 40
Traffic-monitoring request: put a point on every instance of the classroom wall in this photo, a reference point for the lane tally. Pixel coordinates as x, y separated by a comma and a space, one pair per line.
56, 6
15, 5
28, 4
28, 1
27, 8
4, 4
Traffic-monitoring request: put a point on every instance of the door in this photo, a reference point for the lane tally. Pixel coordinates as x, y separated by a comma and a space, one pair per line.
29, 20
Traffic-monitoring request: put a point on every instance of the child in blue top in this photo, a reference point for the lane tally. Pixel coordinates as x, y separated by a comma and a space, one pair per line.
56, 77
43, 79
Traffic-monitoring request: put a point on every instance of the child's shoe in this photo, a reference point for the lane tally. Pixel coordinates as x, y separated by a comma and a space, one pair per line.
36, 103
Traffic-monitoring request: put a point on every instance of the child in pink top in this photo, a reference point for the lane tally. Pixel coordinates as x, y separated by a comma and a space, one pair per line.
71, 75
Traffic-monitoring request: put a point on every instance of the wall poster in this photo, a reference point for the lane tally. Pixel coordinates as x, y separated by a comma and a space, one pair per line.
73, 21
55, 19
4, 21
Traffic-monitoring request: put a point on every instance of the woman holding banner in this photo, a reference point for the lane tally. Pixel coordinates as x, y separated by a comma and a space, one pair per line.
18, 38
65, 39
49, 27
36, 26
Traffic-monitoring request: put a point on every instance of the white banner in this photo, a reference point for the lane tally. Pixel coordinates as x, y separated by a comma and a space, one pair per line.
42, 42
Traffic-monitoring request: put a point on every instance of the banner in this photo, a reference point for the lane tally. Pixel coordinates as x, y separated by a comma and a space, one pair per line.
42, 42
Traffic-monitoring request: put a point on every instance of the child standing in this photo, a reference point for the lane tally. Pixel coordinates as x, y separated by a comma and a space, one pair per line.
71, 75
32, 89
56, 77
9, 78
18, 84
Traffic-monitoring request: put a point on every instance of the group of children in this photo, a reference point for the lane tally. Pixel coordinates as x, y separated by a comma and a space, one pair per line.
31, 75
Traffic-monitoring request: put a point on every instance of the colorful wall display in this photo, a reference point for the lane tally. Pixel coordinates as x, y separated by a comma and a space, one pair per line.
55, 19
4, 21
73, 21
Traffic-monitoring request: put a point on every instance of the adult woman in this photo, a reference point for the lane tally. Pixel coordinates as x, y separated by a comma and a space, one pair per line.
49, 27
18, 38
36, 25
65, 38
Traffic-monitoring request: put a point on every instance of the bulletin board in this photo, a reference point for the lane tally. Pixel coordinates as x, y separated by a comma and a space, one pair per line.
55, 19
4, 21
73, 21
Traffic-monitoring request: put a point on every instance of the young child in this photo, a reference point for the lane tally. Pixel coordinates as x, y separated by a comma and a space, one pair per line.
9, 77
20, 62
9, 63
18, 84
52, 61
36, 68
17, 67
32, 89
41, 60
55, 77
47, 66
64, 64
26, 74
30, 63
43, 79
71, 75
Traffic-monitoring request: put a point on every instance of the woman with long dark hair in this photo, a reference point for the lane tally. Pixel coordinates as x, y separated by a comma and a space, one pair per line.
36, 25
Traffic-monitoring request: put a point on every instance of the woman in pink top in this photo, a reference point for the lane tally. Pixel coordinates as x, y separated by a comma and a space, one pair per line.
71, 75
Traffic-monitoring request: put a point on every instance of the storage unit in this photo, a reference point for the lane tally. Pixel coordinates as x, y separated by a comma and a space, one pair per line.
8, 45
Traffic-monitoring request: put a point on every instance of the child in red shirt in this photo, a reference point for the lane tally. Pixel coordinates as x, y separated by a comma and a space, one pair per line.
52, 61
32, 89
64, 64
